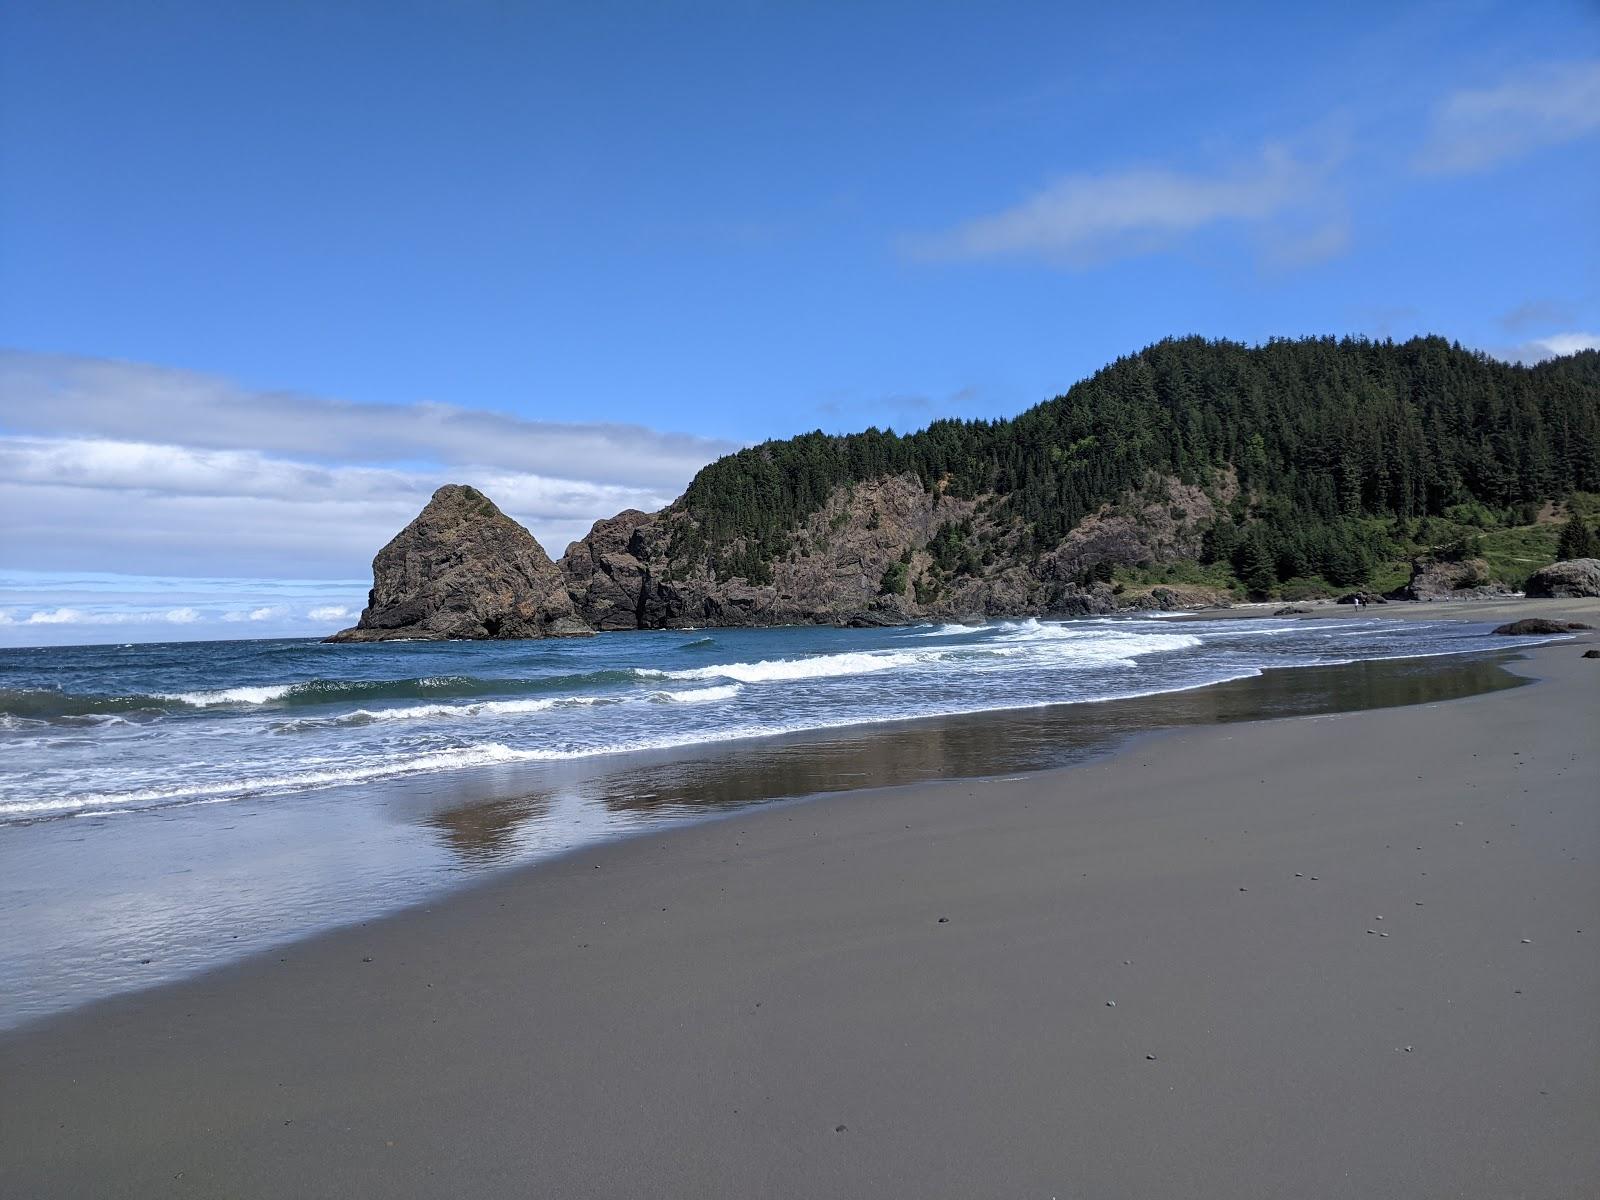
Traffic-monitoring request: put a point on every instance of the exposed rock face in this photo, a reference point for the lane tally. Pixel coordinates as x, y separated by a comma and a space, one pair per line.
885, 552
1567, 580
463, 569
1468, 579
864, 558
605, 572
1175, 598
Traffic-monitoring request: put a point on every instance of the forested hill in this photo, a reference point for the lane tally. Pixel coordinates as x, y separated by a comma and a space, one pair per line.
1317, 434
1191, 473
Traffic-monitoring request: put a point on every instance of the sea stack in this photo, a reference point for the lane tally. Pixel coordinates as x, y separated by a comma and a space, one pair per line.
463, 569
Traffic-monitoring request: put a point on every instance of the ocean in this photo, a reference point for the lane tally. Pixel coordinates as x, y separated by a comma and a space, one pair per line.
165, 808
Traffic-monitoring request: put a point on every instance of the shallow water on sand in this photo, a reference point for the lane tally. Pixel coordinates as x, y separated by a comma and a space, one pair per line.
172, 808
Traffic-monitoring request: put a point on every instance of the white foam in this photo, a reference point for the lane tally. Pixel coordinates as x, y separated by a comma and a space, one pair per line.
481, 708
487, 707
486, 754
822, 666
1089, 644
702, 695
235, 695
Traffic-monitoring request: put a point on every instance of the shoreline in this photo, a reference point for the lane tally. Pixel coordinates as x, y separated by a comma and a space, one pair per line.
693, 1011
380, 851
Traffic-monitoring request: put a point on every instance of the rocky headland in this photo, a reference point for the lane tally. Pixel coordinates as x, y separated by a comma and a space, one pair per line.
1182, 476
888, 552
463, 569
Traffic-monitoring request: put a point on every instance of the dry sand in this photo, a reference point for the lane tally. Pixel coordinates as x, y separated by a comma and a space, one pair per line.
1337, 956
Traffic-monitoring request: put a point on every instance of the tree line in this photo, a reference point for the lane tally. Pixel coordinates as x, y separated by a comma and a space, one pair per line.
1319, 435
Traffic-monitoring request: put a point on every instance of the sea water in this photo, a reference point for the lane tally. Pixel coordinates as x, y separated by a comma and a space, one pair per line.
167, 807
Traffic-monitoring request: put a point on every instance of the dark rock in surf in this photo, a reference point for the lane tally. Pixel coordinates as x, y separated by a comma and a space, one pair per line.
1539, 625
463, 569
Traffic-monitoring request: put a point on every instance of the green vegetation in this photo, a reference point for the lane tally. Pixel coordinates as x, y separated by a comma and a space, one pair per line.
894, 580
1577, 539
1348, 455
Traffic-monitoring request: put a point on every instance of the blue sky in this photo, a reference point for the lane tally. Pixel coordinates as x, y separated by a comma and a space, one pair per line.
272, 272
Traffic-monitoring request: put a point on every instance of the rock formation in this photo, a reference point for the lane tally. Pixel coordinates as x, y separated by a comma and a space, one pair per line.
885, 552
463, 569
1566, 580
1435, 579
1529, 626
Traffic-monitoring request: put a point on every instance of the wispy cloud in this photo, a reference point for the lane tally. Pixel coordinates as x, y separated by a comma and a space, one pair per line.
1084, 219
1551, 346
70, 396
1533, 313
1475, 129
78, 616
143, 470
67, 607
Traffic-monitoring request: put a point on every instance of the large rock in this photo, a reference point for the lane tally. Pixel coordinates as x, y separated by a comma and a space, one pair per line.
1566, 580
463, 569
606, 573
1432, 579
1532, 626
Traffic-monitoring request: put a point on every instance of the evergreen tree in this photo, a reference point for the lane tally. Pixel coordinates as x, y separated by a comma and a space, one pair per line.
1253, 564
1577, 540
1314, 437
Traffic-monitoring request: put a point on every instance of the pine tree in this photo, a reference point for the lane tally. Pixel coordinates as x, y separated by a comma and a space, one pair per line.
1577, 540
1252, 563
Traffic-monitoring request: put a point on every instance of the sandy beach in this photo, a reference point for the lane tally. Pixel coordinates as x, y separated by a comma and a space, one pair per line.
1339, 956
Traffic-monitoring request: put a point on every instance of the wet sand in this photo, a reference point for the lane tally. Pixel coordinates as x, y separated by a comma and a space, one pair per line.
1158, 973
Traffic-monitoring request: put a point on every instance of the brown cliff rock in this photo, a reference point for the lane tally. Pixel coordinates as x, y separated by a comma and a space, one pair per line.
1468, 579
463, 569
1566, 580
866, 558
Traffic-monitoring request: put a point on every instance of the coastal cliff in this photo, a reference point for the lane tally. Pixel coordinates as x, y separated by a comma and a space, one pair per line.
883, 552
463, 569
1189, 474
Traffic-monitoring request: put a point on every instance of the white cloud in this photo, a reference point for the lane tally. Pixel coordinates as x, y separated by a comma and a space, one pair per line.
1086, 218
104, 606
1569, 343
67, 396
58, 616
1552, 346
139, 508
141, 470
330, 612
269, 612
1475, 129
